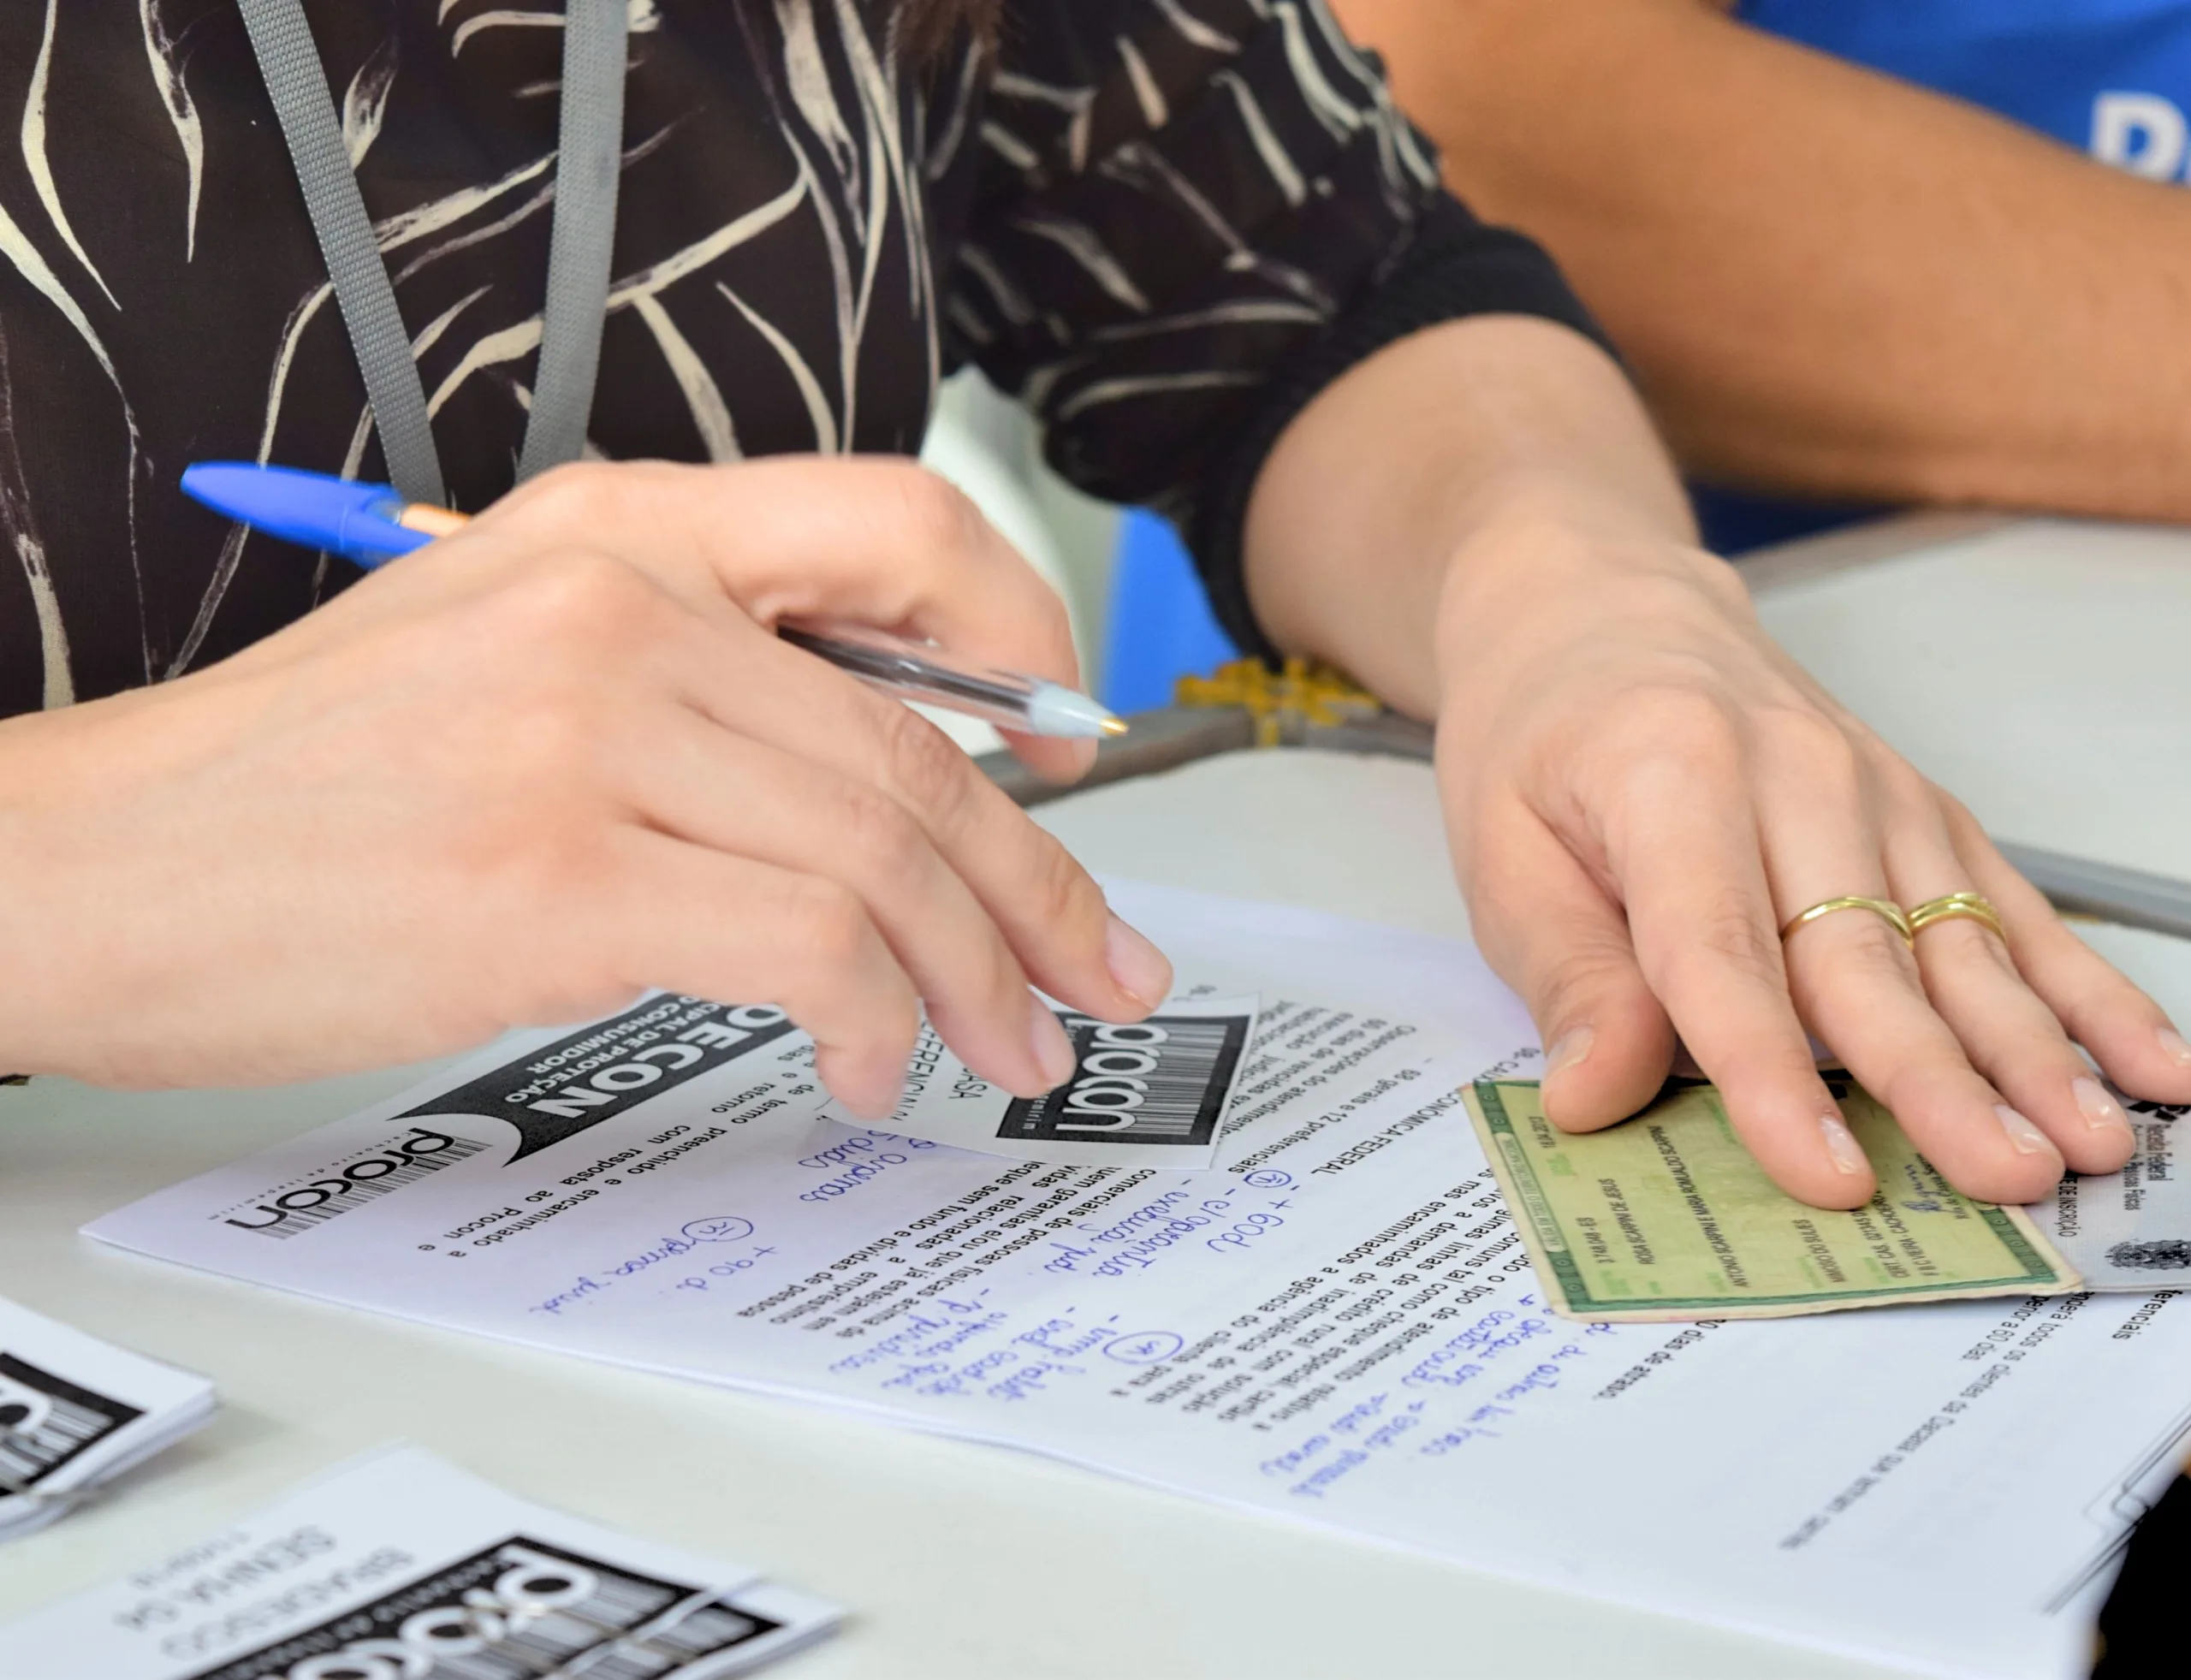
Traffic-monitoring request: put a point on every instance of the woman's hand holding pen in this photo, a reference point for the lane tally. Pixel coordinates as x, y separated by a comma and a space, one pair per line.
1642, 791
554, 760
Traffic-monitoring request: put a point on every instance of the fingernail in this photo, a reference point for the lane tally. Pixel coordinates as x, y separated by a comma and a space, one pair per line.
864, 1098
1053, 1049
1569, 1047
2028, 1139
2174, 1048
2102, 1113
1841, 1144
1142, 972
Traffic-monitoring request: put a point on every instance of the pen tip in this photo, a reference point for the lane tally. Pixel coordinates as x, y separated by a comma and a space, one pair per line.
1114, 726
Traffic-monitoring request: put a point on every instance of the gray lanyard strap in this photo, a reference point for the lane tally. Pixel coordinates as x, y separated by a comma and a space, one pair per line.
589, 161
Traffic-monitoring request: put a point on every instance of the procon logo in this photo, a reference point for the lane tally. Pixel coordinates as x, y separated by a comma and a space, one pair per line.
1163, 1080
552, 1093
1114, 1079
609, 1068
640, 1068
533, 1599
298, 1206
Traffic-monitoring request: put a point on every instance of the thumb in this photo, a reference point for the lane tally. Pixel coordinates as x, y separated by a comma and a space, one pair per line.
1555, 936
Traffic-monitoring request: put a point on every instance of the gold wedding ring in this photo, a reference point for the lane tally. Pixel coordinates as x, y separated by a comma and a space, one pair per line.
1884, 909
1971, 905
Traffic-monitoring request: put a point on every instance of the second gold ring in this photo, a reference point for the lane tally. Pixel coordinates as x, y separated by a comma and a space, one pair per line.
1971, 906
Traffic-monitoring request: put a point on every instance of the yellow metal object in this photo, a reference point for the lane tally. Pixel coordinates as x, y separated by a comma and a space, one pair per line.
1973, 905
1891, 913
1303, 693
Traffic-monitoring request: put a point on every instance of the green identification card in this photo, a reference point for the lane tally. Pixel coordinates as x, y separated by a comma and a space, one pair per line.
1668, 1216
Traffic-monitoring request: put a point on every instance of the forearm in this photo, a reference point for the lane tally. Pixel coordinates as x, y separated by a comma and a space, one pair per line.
1453, 450
1827, 280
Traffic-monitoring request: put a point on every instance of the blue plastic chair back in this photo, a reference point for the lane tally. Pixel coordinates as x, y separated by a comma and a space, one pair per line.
1160, 627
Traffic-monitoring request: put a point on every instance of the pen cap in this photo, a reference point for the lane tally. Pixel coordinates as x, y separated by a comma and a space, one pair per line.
311, 508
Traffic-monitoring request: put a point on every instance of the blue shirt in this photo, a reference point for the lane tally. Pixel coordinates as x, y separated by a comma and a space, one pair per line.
2110, 77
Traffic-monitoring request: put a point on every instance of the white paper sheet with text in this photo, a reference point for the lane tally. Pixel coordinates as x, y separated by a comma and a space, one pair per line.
1339, 1326
401, 1565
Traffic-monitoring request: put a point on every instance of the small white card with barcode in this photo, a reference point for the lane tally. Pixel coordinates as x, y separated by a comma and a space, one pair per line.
75, 1411
399, 1566
1153, 1093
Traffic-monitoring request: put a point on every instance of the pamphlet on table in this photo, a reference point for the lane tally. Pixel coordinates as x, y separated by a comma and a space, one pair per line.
400, 1565
76, 1412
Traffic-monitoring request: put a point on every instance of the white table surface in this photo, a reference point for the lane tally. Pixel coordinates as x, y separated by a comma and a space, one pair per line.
2059, 710
2042, 671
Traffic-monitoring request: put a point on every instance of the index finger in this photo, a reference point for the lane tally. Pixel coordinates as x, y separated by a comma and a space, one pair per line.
875, 541
1051, 913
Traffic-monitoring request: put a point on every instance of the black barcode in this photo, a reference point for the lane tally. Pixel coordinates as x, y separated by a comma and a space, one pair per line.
313, 1204
45, 1421
28, 1453
713, 1627
1160, 1081
599, 1623
1179, 1085
662, 1653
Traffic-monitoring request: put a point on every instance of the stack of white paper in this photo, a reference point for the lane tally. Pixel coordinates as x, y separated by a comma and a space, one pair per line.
75, 1411
401, 1565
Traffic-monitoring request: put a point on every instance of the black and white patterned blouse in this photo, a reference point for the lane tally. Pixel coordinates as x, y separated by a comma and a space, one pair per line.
1163, 224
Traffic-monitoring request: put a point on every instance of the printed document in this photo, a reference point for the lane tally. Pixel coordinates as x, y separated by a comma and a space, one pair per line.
401, 1565
1337, 1324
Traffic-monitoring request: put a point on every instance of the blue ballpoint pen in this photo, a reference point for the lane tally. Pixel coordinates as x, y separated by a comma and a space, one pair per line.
369, 525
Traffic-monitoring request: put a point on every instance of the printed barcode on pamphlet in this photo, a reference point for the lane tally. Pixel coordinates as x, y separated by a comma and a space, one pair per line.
301, 1204
518, 1611
1163, 1080
45, 1421
706, 1632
